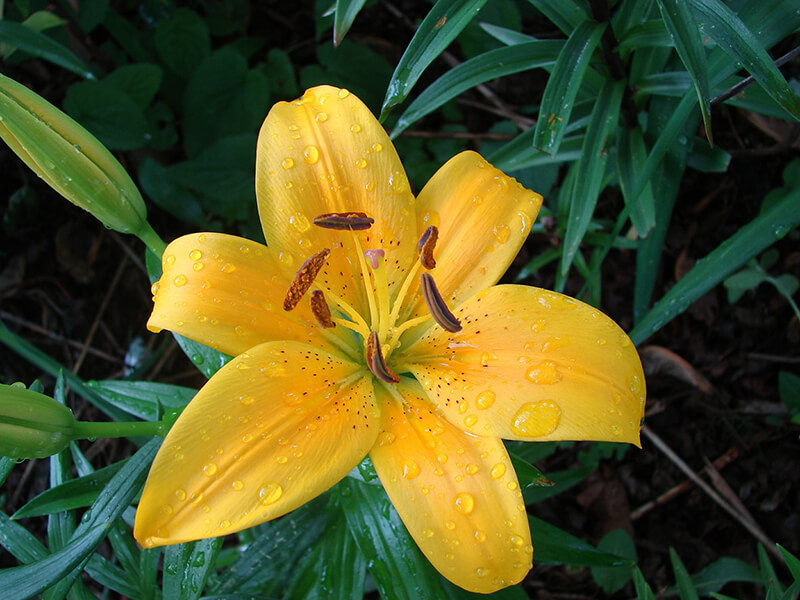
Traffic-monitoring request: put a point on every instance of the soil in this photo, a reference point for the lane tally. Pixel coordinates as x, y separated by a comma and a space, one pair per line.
68, 284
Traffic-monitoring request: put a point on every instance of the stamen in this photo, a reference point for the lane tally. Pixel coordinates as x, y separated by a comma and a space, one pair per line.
304, 278
436, 305
321, 310
426, 245
368, 289
374, 257
375, 361
354, 221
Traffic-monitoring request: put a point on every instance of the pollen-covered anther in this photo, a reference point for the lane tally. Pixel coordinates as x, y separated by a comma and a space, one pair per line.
304, 278
426, 245
354, 221
321, 310
376, 363
436, 305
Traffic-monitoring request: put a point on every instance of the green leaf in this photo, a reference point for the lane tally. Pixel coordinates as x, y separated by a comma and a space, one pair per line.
643, 591
631, 155
146, 400
61, 524
650, 34
685, 587
397, 566
346, 11
440, 27
611, 579
31, 579
789, 391
38, 44
188, 566
685, 32
344, 567
559, 481
792, 562
554, 545
91, 13
768, 575
139, 82
763, 231
485, 67
223, 97
733, 36
112, 577
787, 284
706, 159
590, 168
563, 85
75, 493
182, 41
518, 154
567, 16
726, 569
110, 114
41, 20
509, 37
22, 544
167, 194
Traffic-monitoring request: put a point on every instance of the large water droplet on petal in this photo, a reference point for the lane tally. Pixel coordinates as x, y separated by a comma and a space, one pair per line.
465, 503
269, 493
535, 419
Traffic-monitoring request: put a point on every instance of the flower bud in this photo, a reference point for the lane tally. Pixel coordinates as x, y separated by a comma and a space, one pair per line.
32, 425
69, 158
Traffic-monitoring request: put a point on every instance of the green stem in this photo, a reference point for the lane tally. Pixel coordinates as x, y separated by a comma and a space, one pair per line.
152, 240
113, 429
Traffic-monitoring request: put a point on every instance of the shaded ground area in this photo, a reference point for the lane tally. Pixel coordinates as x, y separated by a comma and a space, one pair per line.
79, 292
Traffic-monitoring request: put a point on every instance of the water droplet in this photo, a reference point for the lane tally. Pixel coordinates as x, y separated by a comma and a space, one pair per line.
480, 536
377, 147
286, 258
428, 533
269, 493
180, 495
386, 438
361, 163
501, 233
410, 469
196, 497
166, 509
311, 154
237, 485
287, 163
293, 127
155, 287
246, 399
209, 470
398, 182
343, 93
428, 218
180, 280
247, 438
512, 485
465, 503
481, 571
471, 468
355, 128
544, 373
224, 524
321, 117
195, 254
535, 419
228, 268
281, 460
463, 406
516, 541
198, 266
537, 325
635, 383
601, 341
498, 471
300, 222
470, 420
442, 458
554, 343
485, 399
624, 340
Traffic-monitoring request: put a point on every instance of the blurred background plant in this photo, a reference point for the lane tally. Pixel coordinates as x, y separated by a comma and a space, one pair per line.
607, 108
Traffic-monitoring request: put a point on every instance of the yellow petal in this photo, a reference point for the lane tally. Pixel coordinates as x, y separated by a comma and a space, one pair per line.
271, 430
226, 292
327, 153
531, 364
457, 494
483, 217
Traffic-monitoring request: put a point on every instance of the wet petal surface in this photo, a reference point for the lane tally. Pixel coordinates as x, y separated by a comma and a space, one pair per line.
274, 428
530, 364
457, 494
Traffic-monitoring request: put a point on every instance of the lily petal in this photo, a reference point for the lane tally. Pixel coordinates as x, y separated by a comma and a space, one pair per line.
226, 292
483, 216
531, 364
326, 153
274, 428
457, 494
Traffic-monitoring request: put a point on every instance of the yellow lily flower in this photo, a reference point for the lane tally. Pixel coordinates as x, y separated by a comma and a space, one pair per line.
351, 338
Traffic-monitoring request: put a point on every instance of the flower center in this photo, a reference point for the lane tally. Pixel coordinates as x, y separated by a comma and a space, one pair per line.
382, 336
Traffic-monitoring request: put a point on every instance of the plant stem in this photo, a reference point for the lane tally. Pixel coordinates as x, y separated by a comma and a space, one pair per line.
152, 240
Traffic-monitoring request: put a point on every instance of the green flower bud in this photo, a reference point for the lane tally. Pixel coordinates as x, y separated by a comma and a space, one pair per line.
69, 158
32, 425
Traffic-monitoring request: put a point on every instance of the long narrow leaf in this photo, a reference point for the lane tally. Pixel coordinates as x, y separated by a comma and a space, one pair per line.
346, 11
563, 85
444, 22
187, 566
590, 169
566, 15
733, 36
685, 32
38, 44
554, 545
485, 67
631, 154
753, 238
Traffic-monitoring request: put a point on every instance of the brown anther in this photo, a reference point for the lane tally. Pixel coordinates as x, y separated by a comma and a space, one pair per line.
376, 363
304, 278
436, 305
426, 245
321, 310
354, 221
